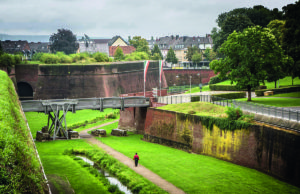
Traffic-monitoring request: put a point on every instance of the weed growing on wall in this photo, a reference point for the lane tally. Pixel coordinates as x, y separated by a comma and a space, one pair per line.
233, 113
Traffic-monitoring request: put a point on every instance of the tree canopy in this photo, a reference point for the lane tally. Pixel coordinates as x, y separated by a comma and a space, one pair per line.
64, 40
191, 51
140, 44
197, 57
239, 19
291, 36
119, 55
171, 57
209, 54
156, 53
248, 56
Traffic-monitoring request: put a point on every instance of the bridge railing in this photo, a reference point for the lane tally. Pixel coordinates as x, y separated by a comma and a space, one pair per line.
84, 103
278, 112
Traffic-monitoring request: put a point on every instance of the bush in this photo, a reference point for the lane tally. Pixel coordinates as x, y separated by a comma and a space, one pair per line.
37, 56
100, 57
216, 79
136, 56
214, 87
66, 59
48, 58
233, 95
233, 113
195, 98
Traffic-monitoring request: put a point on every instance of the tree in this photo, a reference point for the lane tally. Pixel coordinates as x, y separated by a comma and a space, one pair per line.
140, 44
119, 55
291, 37
191, 51
277, 29
171, 57
239, 19
209, 54
156, 50
248, 55
197, 58
1, 49
64, 40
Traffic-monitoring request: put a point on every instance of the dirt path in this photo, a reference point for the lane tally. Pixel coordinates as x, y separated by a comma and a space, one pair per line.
162, 183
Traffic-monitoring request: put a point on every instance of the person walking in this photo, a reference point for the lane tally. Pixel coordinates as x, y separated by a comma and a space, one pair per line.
136, 159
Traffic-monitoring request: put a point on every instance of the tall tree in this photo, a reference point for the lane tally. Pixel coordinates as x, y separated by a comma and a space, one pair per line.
1, 49
239, 19
156, 50
140, 44
191, 51
64, 40
209, 54
248, 55
119, 55
291, 37
197, 58
171, 57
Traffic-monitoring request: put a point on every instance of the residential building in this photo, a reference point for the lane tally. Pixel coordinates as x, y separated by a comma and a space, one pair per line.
39, 47
13, 47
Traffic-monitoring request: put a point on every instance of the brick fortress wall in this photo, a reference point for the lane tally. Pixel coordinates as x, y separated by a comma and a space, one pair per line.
273, 151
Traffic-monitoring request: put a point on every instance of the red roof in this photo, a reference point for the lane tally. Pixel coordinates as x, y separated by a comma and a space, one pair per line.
126, 50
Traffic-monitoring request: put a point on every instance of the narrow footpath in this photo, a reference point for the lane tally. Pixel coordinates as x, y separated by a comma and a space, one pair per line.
154, 178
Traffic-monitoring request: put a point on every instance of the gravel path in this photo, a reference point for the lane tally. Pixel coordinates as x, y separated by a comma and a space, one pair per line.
154, 178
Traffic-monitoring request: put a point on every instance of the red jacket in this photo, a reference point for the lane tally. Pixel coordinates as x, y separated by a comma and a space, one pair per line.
136, 157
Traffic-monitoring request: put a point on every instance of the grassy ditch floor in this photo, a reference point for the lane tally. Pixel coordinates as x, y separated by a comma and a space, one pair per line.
278, 102
76, 121
64, 172
195, 173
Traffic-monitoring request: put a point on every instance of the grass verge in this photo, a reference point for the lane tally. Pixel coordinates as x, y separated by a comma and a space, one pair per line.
195, 173
292, 94
278, 102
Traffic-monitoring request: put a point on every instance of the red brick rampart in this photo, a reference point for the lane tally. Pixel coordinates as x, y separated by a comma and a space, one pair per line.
273, 151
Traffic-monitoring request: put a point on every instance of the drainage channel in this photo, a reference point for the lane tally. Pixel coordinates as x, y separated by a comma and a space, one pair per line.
112, 180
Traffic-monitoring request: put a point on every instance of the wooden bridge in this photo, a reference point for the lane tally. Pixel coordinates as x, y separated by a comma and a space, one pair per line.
56, 127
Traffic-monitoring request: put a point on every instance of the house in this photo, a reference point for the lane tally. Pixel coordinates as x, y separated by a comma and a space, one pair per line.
181, 44
107, 46
13, 47
39, 47
94, 45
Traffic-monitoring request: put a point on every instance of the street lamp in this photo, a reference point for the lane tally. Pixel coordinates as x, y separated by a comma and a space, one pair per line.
190, 84
200, 84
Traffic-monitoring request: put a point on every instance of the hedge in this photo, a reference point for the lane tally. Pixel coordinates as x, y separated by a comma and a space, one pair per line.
278, 90
214, 87
216, 79
233, 95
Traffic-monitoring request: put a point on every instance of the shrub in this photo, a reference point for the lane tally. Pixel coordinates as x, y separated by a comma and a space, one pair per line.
216, 79
66, 59
233, 113
214, 87
48, 58
233, 95
195, 98
37, 56
100, 57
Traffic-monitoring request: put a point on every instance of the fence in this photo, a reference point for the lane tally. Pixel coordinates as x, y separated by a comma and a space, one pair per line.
271, 111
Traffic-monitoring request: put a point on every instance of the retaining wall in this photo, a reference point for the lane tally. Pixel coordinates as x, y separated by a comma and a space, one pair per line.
273, 151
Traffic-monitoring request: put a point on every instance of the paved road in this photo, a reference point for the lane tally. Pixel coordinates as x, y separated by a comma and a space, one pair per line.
154, 178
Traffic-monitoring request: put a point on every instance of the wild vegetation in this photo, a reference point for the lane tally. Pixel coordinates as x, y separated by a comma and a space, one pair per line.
20, 170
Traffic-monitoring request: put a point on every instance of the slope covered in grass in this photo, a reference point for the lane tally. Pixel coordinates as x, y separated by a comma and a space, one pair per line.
20, 170
195, 173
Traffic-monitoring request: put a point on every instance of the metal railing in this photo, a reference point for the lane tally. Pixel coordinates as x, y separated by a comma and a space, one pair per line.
272, 111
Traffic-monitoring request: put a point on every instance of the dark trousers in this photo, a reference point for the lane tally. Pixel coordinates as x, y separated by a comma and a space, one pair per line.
136, 162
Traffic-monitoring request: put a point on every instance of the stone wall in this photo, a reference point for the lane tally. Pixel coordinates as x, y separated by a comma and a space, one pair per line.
181, 77
88, 81
270, 150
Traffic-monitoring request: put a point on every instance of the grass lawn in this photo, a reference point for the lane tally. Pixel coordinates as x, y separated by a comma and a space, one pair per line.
278, 102
195, 173
200, 108
63, 166
270, 85
292, 94
37, 120
197, 89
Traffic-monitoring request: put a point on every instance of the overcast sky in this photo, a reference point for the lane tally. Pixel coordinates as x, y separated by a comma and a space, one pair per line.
106, 18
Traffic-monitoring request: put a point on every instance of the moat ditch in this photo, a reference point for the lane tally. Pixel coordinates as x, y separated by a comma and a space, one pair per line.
112, 180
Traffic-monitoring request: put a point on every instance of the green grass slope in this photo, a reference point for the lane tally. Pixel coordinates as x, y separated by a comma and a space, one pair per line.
20, 171
195, 173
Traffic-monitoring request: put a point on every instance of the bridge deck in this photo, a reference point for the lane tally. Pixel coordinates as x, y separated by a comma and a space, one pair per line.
84, 103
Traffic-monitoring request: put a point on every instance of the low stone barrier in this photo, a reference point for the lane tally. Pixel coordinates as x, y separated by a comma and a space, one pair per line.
40, 136
73, 134
98, 132
119, 132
